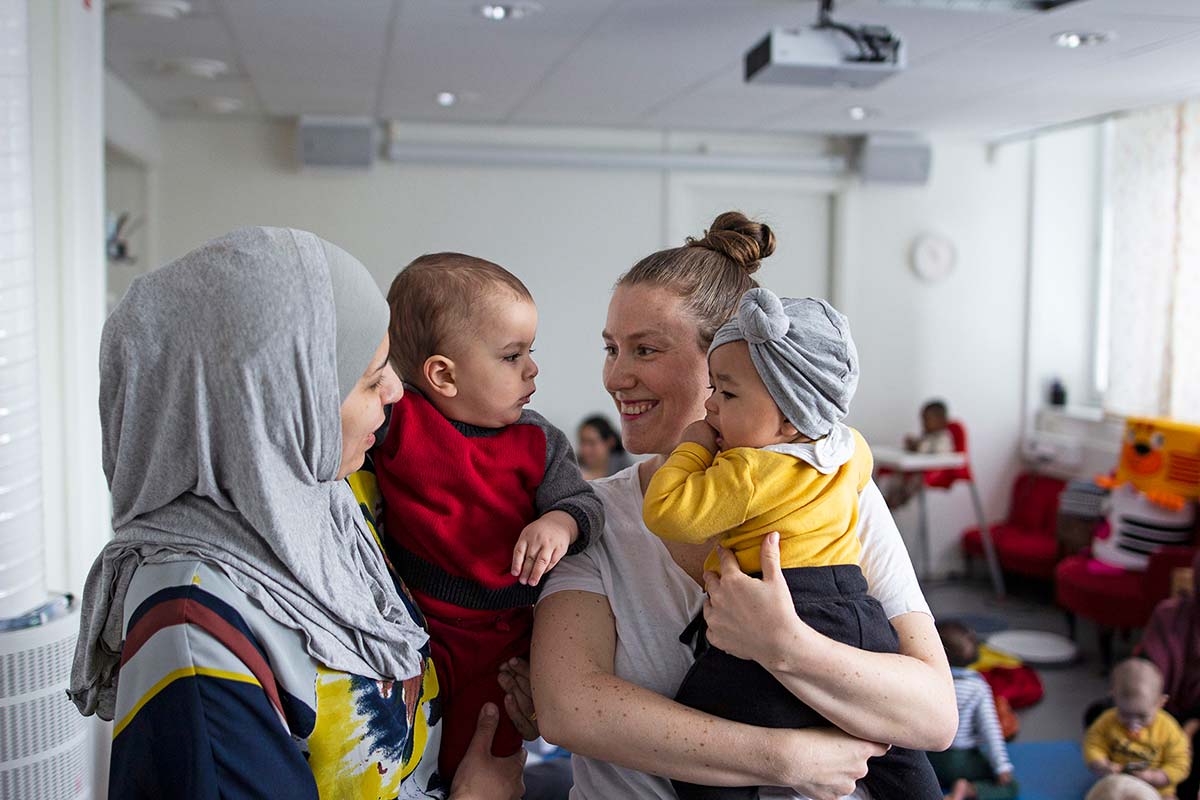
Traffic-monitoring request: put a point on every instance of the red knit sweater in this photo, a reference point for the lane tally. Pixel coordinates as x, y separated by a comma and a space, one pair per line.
456, 498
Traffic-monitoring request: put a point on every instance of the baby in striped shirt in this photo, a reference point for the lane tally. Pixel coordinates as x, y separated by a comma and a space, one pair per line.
976, 765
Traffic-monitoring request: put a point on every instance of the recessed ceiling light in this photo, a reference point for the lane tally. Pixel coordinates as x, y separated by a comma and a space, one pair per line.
446, 99
208, 68
502, 12
1075, 39
217, 105
859, 113
165, 9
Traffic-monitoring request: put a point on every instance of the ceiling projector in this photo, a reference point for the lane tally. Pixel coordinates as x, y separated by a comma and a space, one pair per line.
828, 54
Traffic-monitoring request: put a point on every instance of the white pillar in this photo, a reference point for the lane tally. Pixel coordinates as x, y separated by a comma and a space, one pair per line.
66, 49
22, 560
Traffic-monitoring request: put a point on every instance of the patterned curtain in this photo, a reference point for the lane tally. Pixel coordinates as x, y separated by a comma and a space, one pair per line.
1154, 328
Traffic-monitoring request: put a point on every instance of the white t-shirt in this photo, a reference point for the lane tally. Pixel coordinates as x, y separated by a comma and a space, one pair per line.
653, 600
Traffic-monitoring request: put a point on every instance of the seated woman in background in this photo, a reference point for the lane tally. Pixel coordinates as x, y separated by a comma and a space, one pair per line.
600, 451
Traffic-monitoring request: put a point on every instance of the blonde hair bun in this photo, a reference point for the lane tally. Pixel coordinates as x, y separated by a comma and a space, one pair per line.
740, 239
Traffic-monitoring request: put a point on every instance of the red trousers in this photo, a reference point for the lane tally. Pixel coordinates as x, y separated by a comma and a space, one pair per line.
468, 648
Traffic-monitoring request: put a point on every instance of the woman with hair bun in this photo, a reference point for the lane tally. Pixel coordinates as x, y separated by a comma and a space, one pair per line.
607, 655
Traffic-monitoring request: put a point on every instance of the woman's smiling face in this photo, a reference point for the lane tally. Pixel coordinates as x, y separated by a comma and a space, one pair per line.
654, 367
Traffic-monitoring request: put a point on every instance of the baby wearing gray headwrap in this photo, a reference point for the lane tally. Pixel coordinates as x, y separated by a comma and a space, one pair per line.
803, 483
803, 352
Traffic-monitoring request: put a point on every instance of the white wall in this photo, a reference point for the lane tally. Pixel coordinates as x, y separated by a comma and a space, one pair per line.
570, 232
960, 339
126, 190
129, 124
1064, 259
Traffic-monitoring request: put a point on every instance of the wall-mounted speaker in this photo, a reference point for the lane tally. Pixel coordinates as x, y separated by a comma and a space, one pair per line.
893, 158
336, 141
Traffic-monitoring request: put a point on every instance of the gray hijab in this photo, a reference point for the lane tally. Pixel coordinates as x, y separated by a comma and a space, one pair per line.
221, 380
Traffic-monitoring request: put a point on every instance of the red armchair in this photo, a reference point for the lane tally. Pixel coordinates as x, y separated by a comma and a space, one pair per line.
1115, 599
1025, 542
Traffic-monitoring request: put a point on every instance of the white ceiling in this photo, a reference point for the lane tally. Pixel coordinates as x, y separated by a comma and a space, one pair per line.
670, 64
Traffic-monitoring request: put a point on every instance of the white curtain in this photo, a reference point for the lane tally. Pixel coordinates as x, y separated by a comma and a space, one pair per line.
1154, 319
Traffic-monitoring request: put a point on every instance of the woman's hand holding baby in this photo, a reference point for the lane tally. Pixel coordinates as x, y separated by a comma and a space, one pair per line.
752, 618
542, 544
518, 697
825, 762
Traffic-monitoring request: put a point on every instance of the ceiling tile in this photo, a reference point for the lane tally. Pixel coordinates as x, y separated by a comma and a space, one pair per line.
658, 64
311, 56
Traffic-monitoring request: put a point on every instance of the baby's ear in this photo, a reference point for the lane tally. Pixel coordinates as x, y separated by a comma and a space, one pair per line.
788, 430
438, 372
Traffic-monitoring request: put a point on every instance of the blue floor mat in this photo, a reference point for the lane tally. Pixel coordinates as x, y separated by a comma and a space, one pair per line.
1050, 770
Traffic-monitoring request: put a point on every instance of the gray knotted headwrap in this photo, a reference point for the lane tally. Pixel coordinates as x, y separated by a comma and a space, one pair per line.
222, 377
804, 354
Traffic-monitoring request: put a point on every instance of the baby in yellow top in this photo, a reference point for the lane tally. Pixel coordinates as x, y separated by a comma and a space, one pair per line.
1137, 737
772, 454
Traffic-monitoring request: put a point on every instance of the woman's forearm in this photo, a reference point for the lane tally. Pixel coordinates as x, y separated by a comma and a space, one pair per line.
905, 699
609, 719
585, 708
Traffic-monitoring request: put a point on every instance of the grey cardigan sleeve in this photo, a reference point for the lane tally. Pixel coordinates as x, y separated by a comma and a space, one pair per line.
563, 488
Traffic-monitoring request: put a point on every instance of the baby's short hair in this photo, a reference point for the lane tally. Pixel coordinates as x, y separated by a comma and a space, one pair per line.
434, 299
1122, 787
962, 648
1135, 676
937, 407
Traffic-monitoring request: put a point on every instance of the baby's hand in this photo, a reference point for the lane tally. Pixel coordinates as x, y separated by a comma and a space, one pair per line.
543, 543
701, 433
1155, 777
1004, 778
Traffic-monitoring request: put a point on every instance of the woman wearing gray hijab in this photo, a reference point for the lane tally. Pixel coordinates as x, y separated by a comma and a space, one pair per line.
242, 629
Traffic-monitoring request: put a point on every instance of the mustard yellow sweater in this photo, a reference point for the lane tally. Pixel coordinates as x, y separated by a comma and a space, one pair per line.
1161, 745
745, 493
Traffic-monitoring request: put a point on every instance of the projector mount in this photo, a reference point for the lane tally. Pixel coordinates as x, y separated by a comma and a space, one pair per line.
876, 44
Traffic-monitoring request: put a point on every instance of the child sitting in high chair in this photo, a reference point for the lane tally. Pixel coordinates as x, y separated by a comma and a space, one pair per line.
976, 765
772, 455
935, 438
1137, 737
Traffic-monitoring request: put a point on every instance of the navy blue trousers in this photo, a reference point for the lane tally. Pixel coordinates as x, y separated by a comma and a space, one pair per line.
834, 601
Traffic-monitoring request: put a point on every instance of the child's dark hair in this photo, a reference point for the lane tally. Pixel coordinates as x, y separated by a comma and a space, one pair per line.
937, 407
434, 299
962, 648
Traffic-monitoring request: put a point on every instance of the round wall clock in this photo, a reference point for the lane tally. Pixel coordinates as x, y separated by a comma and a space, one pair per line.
932, 256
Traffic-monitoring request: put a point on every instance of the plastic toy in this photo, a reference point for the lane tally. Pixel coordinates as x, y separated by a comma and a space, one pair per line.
1161, 459
1153, 492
